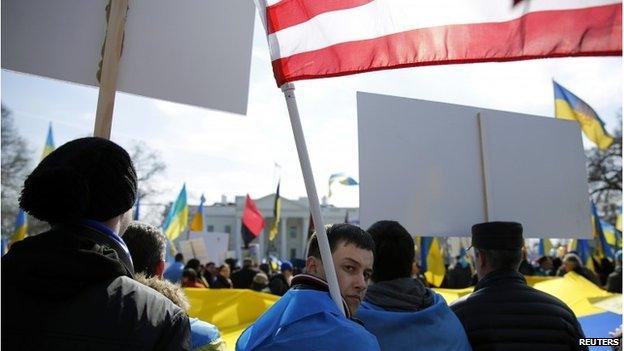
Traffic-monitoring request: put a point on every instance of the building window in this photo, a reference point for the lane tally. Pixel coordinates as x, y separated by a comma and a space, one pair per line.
228, 229
292, 232
210, 228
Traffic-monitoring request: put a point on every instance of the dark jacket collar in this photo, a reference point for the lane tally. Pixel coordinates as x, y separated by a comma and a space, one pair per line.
500, 277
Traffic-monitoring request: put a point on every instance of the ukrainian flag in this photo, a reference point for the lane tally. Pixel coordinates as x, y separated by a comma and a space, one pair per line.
602, 247
544, 247
197, 223
432, 260
582, 247
569, 106
340, 178
21, 227
49, 145
177, 219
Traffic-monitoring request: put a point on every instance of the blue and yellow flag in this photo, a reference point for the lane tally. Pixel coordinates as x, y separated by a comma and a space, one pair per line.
197, 223
544, 247
21, 227
584, 251
340, 178
177, 219
277, 212
49, 144
602, 248
569, 106
432, 260
612, 235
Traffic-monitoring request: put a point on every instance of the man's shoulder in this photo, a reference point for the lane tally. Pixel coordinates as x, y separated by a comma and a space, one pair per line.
129, 290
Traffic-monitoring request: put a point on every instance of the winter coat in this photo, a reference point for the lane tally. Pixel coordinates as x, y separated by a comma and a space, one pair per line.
306, 319
71, 288
174, 272
504, 313
243, 278
278, 284
404, 315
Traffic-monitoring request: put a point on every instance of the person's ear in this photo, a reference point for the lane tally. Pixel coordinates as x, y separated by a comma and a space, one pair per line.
312, 265
160, 269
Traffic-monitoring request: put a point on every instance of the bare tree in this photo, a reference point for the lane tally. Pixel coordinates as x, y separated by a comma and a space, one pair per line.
604, 171
150, 168
16, 163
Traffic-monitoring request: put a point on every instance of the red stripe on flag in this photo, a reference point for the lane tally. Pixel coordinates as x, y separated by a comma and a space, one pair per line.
292, 12
595, 31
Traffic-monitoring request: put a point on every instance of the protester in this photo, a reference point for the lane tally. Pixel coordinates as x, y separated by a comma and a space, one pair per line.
460, 275
544, 266
280, 282
190, 279
174, 272
223, 278
503, 312
194, 264
72, 286
242, 279
210, 270
572, 263
525, 268
260, 283
306, 318
399, 310
614, 281
147, 247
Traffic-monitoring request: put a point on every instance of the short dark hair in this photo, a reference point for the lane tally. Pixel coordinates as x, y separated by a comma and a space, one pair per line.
503, 259
179, 257
394, 251
341, 233
146, 244
193, 263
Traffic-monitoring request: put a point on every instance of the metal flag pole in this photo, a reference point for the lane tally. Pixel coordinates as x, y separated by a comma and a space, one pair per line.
306, 168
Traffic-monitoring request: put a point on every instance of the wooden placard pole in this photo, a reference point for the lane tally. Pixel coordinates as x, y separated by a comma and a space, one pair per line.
110, 68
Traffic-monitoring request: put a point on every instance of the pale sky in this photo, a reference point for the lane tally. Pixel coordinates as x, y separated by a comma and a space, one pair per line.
219, 153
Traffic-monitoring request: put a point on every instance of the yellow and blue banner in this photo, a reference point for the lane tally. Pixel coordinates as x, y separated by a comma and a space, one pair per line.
568, 106
340, 178
177, 219
277, 210
432, 260
602, 248
49, 144
197, 223
21, 227
544, 247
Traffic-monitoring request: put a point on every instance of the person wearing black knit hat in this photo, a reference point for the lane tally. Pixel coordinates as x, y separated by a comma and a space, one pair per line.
76, 278
503, 312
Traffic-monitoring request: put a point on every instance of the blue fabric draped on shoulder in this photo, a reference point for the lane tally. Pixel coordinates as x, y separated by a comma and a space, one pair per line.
433, 328
305, 320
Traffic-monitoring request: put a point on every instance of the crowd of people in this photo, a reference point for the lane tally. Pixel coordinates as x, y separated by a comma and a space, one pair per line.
97, 281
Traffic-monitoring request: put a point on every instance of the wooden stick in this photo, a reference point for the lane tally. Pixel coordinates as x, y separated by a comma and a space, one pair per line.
110, 68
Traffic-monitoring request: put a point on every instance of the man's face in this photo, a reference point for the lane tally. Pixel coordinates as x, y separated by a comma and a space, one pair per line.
354, 267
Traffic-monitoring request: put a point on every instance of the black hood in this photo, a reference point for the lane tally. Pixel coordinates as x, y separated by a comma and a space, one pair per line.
62, 262
400, 295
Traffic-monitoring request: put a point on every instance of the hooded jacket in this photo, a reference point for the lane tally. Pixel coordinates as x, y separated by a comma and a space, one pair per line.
71, 288
306, 319
404, 315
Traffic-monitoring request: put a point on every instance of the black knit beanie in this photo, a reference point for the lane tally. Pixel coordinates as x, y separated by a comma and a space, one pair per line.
88, 178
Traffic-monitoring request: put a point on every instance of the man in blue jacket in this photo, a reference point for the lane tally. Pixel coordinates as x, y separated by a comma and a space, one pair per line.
400, 311
306, 318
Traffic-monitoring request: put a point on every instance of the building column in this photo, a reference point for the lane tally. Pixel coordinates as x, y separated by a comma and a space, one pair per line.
283, 238
304, 235
238, 242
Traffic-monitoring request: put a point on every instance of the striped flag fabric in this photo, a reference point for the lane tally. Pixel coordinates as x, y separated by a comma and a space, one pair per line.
253, 222
340, 178
315, 39
432, 260
21, 228
569, 107
197, 223
49, 144
277, 211
177, 219
544, 246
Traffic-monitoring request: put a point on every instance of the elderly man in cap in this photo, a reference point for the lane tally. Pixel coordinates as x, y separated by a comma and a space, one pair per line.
72, 287
503, 312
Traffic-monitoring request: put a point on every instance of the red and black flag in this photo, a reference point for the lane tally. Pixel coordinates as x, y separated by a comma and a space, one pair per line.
253, 222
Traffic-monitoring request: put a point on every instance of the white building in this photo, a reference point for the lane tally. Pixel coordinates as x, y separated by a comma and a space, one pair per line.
291, 240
